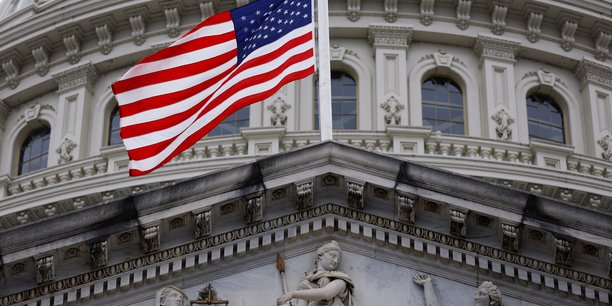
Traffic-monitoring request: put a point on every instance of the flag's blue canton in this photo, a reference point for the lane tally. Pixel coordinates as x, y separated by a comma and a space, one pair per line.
264, 21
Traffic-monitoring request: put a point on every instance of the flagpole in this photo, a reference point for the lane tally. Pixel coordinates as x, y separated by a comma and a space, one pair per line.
325, 107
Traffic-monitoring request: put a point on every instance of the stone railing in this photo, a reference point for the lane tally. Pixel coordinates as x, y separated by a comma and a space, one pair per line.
401, 142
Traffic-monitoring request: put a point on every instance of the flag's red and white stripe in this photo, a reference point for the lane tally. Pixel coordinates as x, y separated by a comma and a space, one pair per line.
171, 99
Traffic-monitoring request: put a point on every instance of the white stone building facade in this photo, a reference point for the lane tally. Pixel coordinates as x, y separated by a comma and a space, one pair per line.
496, 62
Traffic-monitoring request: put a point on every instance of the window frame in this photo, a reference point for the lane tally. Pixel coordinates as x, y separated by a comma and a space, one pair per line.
448, 105
27, 140
315, 96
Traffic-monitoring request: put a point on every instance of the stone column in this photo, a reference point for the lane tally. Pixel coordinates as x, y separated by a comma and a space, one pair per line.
75, 88
391, 46
596, 87
497, 59
5, 110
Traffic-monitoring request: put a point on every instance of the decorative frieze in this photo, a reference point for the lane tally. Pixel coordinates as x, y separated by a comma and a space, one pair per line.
390, 36
304, 195
83, 75
606, 145
458, 226
354, 10
279, 109
12, 66
65, 151
496, 48
391, 10
45, 270
150, 239
563, 252
503, 123
254, 209
463, 13
589, 71
427, 12
393, 110
98, 254
207, 8
602, 41
406, 211
510, 238
498, 19
203, 223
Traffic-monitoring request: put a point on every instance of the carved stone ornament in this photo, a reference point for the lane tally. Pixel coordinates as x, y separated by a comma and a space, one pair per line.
463, 13
504, 124
171, 296
45, 270
208, 296
498, 19
138, 29
534, 22
150, 239
105, 38
98, 254
496, 48
207, 8
173, 21
203, 224
390, 36
354, 10
589, 71
458, 225
73, 47
488, 294
304, 195
254, 210
279, 108
602, 41
606, 144
32, 112
393, 110
406, 211
65, 151
563, 252
510, 238
568, 32
11, 68
354, 192
427, 12
390, 10
41, 59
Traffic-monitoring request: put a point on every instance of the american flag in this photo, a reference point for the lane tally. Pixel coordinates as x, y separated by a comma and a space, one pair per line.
171, 99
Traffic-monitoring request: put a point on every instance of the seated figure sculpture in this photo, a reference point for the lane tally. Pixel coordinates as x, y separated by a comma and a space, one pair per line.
324, 286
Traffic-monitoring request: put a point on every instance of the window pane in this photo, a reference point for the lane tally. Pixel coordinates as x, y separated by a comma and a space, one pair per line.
114, 136
33, 152
344, 101
443, 105
232, 124
545, 118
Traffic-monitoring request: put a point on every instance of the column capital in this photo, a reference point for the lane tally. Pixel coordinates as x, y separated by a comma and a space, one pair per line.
77, 77
496, 48
390, 36
588, 71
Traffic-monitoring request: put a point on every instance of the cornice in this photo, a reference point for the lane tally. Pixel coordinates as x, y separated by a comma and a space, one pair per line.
589, 71
73, 78
390, 36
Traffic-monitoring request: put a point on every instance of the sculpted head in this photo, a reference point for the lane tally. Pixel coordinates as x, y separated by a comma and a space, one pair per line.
487, 294
328, 256
171, 296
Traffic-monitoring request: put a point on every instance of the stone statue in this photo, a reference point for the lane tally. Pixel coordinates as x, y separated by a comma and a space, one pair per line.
324, 286
504, 124
487, 294
171, 296
431, 297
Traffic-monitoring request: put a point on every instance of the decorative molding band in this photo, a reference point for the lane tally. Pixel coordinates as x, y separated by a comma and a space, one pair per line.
589, 71
83, 75
334, 218
496, 48
390, 36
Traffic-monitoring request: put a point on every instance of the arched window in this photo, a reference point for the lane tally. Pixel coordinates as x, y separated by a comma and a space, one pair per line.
443, 106
344, 102
34, 151
114, 137
545, 118
232, 124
